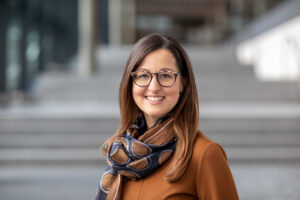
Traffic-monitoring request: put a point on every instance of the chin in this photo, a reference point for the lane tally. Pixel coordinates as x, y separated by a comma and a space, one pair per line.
155, 115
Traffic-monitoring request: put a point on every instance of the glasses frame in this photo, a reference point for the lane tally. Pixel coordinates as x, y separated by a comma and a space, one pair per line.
133, 75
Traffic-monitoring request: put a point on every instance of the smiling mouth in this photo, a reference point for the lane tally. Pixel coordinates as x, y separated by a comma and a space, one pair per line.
155, 98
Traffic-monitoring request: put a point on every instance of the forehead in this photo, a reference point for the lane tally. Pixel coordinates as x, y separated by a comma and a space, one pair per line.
158, 60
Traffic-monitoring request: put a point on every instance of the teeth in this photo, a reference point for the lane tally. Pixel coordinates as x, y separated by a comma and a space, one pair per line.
155, 98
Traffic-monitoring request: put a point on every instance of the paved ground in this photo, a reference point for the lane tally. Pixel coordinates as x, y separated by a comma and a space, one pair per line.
255, 181
49, 183
267, 181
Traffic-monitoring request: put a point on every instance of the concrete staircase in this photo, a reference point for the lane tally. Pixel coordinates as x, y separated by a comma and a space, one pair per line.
257, 123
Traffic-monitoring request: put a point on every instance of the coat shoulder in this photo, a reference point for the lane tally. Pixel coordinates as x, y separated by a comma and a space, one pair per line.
204, 147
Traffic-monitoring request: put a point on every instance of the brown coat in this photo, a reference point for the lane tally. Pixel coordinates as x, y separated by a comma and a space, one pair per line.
208, 177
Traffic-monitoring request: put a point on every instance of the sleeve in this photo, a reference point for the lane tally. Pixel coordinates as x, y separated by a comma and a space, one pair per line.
214, 178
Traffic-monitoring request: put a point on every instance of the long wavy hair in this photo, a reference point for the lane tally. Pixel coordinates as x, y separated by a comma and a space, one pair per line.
186, 112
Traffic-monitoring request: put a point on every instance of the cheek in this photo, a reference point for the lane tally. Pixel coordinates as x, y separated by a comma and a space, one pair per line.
173, 94
172, 97
137, 92
175, 90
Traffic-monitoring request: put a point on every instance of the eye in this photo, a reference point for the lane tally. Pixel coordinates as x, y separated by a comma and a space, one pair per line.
165, 75
143, 75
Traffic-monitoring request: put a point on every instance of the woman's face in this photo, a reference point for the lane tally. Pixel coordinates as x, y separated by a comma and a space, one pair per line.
155, 100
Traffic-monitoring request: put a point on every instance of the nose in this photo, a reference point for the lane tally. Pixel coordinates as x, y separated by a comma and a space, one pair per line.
154, 85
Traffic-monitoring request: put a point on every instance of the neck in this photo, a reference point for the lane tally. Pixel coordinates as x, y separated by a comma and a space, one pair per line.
150, 121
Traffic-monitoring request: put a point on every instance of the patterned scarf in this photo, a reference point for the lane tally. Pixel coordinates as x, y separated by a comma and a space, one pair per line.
136, 154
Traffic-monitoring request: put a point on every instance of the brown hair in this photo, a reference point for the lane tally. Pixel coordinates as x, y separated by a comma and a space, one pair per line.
186, 113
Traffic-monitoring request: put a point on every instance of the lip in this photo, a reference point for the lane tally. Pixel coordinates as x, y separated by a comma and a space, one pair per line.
154, 99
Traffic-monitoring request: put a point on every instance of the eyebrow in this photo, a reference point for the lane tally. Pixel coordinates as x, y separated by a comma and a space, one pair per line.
163, 69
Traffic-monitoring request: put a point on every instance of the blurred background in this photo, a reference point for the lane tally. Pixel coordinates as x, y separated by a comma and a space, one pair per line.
60, 67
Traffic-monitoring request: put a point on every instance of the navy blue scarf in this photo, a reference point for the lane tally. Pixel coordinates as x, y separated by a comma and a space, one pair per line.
136, 154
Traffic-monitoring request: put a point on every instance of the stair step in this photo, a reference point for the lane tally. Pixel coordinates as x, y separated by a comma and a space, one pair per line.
94, 156
95, 139
52, 140
103, 118
255, 139
213, 86
51, 155
263, 153
219, 77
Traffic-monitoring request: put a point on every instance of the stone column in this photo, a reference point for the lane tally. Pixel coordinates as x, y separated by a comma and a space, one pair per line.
128, 22
260, 7
115, 21
86, 37
121, 22
220, 21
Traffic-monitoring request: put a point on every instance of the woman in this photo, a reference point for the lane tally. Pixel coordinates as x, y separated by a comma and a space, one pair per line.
158, 151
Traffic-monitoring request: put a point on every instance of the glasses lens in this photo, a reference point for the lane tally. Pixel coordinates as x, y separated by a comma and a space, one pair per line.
166, 78
142, 78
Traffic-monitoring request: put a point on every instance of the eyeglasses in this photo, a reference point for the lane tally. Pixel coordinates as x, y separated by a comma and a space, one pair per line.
165, 78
